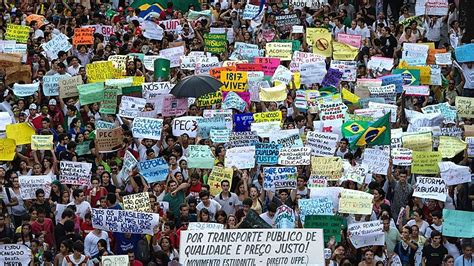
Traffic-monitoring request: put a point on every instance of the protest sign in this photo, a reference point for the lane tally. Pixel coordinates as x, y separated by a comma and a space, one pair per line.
68, 86
322, 144
464, 106
220, 135
282, 74
51, 85
173, 54
5, 119
273, 94
58, 43
83, 36
29, 185
234, 81
365, 234
241, 139
279, 50
244, 51
150, 128
139, 202
240, 157
217, 175
269, 65
8, 150
347, 68
454, 174
100, 71
206, 124
470, 146
115, 260
436, 7
109, 104
454, 223
119, 62
430, 188
320, 39
316, 181
249, 67
315, 206
332, 78
17, 33
425, 162
396, 80
155, 170
415, 54
330, 167
42, 142
173, 106
267, 117
350, 39
99, 124
289, 138
267, 153
266, 129
20, 132
24, 90
287, 20
358, 173
443, 59
130, 106
312, 72
342, 51
215, 43
250, 11
205, 246
15, 254
416, 90
401, 156
205, 226
388, 93
332, 110
200, 156
119, 83
356, 202
377, 160
108, 140
83, 148
220, 112
209, 99
451, 146
331, 225
75, 173
295, 156
285, 217
418, 142
242, 122
91, 93
170, 24
124, 221
464, 53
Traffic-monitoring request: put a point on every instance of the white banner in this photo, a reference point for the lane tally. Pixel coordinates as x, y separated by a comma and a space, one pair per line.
366, 234
240, 157
430, 188
74, 173
322, 144
15, 254
124, 221
252, 247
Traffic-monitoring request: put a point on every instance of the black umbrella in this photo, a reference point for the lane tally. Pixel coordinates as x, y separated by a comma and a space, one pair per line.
195, 86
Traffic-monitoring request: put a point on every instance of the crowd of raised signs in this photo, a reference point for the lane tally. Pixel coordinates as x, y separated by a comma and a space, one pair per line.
341, 135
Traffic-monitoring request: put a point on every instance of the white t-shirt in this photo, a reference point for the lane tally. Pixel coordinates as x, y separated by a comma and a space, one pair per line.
422, 228
468, 76
268, 219
213, 207
82, 208
433, 33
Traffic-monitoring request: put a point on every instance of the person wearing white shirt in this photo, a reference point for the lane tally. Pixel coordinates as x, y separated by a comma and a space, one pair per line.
269, 215
211, 205
90, 242
364, 31
354, 29
433, 27
468, 74
82, 205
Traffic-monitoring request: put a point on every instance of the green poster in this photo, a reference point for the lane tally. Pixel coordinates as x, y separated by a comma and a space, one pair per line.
411, 77
215, 43
331, 225
91, 93
109, 104
295, 44
83, 148
161, 68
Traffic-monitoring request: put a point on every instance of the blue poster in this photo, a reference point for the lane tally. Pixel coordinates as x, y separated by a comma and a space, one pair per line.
242, 122
155, 170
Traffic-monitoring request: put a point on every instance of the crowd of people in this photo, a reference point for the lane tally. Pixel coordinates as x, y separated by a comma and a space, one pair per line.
57, 223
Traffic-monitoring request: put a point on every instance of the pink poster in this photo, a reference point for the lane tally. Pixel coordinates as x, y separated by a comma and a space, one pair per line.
352, 40
269, 64
173, 106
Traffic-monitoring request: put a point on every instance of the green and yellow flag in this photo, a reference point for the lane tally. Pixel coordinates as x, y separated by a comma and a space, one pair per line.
376, 134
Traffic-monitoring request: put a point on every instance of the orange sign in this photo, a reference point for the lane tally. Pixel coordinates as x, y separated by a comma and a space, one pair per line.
216, 71
83, 36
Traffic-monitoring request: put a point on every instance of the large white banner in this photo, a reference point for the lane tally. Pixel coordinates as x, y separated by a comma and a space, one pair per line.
252, 247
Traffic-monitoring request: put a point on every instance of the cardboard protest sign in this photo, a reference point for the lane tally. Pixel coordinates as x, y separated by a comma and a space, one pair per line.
356, 202
330, 167
17, 33
205, 226
83, 36
312, 73
83, 148
279, 50
155, 170
170, 24
451, 146
454, 223
430, 188
331, 225
443, 59
219, 174
295, 156
332, 78
119, 83
20, 132
414, 53
377, 160
124, 221
8, 150
42, 142
150, 128
426, 162
240, 157
120, 61
29, 185
322, 144
100, 71
320, 39
267, 153
139, 202
388, 93
200, 243
366, 234
15, 254
91, 93
200, 156
464, 106
215, 43
109, 104
220, 112
347, 68
233, 101
75, 173
118, 260
68, 86
234, 81
108, 140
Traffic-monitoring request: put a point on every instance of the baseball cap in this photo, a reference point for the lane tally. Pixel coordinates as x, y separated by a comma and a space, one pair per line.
52, 102
33, 106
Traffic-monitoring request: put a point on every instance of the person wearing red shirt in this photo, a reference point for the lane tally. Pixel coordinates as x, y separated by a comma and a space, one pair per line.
95, 193
195, 187
132, 260
43, 226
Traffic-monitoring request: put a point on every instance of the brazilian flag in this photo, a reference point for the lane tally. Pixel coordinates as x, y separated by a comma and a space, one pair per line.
148, 6
352, 129
376, 134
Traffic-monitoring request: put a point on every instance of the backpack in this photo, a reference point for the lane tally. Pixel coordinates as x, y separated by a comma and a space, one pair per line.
143, 250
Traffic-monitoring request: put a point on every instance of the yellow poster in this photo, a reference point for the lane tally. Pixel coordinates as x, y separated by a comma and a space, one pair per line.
42, 142
273, 94
267, 117
296, 80
356, 202
138, 80
282, 50
21, 133
418, 142
17, 33
218, 174
209, 99
100, 71
451, 146
7, 149
321, 41
425, 162
235, 81
465, 106
344, 52
349, 96
139, 202
330, 167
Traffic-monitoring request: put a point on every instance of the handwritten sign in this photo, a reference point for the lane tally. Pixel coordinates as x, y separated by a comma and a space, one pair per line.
75, 173
279, 50
234, 81
451, 146
20, 132
240, 157
42, 142
377, 160
149, 128
279, 178
330, 167
15, 254
295, 156
267, 153
17, 33
124, 221
426, 162
83, 36
219, 174
155, 170
365, 234
356, 202
108, 140
29, 185
322, 144
139, 202
7, 149
200, 156
454, 223
464, 106
430, 188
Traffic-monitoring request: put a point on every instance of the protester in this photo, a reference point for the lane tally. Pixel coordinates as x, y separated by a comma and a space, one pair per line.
126, 126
